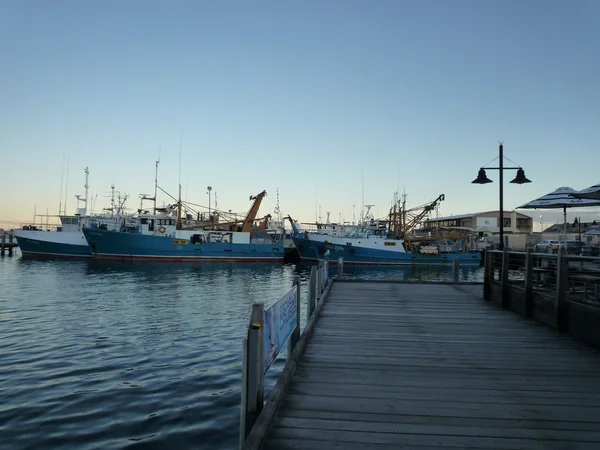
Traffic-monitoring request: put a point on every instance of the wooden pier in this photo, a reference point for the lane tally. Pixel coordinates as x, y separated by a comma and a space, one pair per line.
387, 365
7, 243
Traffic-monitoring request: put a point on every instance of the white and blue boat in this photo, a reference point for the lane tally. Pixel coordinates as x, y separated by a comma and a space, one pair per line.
382, 242
176, 239
66, 239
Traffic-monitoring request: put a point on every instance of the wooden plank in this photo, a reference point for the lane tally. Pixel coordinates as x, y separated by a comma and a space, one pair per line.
439, 420
448, 409
442, 430
440, 441
393, 365
445, 395
309, 444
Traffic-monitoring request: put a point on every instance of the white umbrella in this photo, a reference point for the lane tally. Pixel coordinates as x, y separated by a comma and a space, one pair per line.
560, 198
593, 192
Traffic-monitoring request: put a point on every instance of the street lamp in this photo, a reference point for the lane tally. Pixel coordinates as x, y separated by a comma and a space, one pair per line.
209, 188
483, 179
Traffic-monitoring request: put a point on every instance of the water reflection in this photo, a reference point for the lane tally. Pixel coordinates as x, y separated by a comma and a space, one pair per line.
109, 354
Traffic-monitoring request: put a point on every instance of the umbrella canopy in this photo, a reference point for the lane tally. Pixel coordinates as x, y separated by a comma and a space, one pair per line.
560, 198
593, 192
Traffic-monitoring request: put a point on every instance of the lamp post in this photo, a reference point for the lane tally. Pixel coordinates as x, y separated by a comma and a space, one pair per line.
209, 188
483, 179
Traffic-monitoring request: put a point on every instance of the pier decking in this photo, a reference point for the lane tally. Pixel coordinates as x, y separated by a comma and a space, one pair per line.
399, 365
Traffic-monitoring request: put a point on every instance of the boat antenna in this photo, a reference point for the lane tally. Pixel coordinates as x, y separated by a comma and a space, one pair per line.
156, 179
277, 209
180, 146
66, 186
61, 185
179, 210
316, 217
362, 207
87, 174
112, 199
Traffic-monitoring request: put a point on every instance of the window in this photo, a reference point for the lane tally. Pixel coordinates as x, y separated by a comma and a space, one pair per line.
507, 221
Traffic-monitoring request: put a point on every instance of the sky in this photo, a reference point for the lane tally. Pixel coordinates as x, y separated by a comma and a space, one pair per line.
326, 105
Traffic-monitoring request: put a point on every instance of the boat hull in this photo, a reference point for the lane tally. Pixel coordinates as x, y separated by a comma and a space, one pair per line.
68, 244
135, 246
312, 250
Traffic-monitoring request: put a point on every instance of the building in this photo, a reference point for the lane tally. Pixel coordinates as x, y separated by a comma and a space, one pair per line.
587, 232
518, 228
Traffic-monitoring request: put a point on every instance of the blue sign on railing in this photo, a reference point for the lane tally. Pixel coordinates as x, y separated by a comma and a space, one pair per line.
280, 321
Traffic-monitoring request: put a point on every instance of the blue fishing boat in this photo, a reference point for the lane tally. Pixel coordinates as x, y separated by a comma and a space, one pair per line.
383, 242
177, 239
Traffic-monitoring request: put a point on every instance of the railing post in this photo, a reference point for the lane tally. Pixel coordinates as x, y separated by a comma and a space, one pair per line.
487, 276
505, 301
311, 293
320, 280
296, 333
561, 307
244, 409
340, 268
529, 304
2, 245
455, 271
255, 370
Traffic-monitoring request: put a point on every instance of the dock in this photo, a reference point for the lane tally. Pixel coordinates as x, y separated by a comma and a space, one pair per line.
7, 243
393, 365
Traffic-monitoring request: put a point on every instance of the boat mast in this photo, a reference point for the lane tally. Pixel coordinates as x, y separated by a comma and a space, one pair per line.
66, 187
179, 210
83, 210
87, 174
277, 209
112, 200
404, 234
61, 186
156, 183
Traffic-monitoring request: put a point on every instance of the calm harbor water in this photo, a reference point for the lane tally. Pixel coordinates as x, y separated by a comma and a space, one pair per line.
118, 355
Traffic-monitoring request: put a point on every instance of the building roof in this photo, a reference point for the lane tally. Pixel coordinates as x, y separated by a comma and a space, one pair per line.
572, 227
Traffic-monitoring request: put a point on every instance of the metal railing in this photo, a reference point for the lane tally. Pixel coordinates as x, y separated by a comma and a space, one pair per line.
562, 291
542, 271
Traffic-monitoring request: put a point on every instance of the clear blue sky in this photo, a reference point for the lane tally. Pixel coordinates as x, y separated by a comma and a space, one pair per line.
323, 100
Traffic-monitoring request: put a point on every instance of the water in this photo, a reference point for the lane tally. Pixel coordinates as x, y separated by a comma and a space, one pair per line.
109, 355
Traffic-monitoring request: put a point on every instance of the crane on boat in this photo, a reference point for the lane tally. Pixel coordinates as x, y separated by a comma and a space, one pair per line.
404, 221
253, 211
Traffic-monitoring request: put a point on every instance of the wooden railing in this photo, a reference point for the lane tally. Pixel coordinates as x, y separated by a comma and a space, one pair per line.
562, 291
268, 331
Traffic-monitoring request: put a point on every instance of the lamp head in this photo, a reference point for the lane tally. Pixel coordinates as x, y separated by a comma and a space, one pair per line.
481, 178
521, 178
